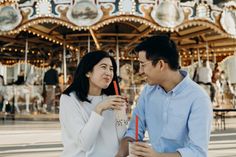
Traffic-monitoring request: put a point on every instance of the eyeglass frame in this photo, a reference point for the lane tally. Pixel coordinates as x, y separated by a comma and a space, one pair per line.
142, 64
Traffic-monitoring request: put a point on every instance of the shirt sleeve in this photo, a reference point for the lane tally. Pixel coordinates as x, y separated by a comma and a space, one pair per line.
140, 112
75, 128
199, 126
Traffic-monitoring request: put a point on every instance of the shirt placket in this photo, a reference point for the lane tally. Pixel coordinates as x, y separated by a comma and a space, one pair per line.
166, 106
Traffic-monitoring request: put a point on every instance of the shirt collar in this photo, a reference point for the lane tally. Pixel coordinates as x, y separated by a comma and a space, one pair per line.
181, 85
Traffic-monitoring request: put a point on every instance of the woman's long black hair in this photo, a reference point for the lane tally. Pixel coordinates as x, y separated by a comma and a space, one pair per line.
80, 84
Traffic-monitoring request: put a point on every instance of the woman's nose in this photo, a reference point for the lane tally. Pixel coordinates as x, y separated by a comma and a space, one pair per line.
108, 72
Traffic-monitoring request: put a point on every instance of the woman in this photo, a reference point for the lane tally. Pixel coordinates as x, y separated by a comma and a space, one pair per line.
86, 109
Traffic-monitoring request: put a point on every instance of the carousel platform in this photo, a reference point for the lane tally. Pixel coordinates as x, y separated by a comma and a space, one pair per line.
55, 117
29, 117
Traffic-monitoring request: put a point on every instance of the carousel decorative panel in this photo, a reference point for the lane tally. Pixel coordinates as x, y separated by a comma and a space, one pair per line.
10, 18
84, 13
228, 21
168, 13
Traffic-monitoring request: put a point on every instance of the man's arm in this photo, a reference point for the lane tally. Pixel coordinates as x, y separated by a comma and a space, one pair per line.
131, 131
124, 147
199, 125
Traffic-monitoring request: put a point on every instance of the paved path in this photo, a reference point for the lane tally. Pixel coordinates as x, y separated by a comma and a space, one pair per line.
27, 139
42, 139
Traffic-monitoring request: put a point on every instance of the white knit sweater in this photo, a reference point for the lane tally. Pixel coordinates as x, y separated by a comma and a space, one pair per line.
84, 132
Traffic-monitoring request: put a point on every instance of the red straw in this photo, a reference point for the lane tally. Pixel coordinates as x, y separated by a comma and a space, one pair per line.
136, 128
116, 88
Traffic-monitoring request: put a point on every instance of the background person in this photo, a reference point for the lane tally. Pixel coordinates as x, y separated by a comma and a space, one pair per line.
50, 82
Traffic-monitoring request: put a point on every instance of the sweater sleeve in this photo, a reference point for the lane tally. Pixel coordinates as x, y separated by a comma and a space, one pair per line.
74, 128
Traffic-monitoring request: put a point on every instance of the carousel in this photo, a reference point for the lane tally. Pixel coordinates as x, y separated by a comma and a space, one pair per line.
35, 32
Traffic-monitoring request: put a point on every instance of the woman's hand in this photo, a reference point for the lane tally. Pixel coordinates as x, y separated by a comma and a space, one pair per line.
114, 102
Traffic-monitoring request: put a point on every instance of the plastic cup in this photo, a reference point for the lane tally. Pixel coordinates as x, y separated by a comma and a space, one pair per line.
130, 144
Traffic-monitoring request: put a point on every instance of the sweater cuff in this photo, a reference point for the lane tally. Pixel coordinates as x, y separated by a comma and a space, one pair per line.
96, 117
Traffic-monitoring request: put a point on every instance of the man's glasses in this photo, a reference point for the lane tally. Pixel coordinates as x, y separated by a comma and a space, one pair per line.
142, 64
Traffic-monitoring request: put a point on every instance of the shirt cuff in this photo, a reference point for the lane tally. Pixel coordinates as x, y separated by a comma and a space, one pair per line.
129, 134
185, 152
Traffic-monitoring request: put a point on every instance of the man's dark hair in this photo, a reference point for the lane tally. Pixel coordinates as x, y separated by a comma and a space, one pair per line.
52, 64
160, 48
80, 84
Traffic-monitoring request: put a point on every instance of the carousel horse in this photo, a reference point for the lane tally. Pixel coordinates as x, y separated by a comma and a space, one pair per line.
223, 96
229, 96
25, 94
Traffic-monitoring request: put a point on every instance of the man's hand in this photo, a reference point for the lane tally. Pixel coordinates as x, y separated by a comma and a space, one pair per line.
142, 149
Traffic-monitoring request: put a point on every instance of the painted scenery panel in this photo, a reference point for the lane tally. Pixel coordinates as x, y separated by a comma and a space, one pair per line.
9, 18
84, 13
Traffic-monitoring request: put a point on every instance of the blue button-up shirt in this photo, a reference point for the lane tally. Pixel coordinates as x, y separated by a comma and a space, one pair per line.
179, 120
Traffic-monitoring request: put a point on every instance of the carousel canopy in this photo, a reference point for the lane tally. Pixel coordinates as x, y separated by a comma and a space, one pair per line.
205, 28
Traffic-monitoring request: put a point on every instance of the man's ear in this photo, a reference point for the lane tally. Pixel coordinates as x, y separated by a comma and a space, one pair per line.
162, 64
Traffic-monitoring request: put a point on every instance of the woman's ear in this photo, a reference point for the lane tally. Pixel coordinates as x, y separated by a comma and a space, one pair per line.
88, 75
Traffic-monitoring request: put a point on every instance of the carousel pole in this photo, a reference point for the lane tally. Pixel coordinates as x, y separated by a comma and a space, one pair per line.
18, 67
198, 57
192, 58
64, 59
78, 55
18, 70
117, 57
132, 69
89, 45
180, 61
43, 71
214, 58
117, 51
207, 55
26, 57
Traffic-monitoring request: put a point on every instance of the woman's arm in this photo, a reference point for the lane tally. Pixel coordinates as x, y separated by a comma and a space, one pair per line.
75, 127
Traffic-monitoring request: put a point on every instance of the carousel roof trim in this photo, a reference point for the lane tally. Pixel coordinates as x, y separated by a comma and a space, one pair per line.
68, 21
108, 17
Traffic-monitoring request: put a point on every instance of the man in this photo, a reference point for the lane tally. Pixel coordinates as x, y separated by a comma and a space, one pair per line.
51, 81
204, 75
172, 108
20, 78
51, 76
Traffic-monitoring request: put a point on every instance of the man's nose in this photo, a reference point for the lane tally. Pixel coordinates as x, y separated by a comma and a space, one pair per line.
141, 71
